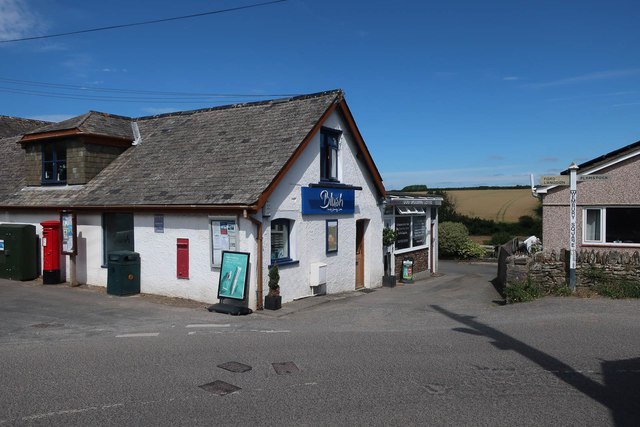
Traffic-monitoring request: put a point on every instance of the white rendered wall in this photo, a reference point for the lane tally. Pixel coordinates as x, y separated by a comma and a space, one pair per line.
158, 252
308, 234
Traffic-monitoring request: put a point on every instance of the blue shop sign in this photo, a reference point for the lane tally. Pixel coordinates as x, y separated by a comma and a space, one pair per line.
327, 200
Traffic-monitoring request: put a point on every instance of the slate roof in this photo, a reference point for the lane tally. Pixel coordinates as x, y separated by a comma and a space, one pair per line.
605, 157
93, 122
12, 126
212, 157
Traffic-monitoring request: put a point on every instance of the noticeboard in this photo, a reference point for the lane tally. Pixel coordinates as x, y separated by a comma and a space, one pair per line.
234, 269
69, 233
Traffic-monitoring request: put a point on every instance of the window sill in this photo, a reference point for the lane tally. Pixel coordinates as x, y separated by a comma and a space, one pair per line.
284, 262
334, 184
413, 249
611, 245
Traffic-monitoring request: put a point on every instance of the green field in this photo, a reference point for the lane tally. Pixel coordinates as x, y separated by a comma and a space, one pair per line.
500, 205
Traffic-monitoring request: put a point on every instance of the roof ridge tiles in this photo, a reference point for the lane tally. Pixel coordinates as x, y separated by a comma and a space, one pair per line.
245, 104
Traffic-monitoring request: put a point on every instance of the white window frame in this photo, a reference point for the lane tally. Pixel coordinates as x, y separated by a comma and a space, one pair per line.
409, 212
603, 228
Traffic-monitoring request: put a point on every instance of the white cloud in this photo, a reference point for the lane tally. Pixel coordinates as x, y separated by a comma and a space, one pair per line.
16, 20
601, 75
458, 177
510, 78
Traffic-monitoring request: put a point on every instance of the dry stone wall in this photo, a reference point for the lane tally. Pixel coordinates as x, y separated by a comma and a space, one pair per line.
550, 269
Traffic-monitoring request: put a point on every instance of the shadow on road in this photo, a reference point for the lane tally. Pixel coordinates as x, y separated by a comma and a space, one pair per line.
620, 392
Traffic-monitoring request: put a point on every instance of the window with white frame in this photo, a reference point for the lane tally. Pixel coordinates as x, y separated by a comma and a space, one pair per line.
411, 226
280, 230
615, 225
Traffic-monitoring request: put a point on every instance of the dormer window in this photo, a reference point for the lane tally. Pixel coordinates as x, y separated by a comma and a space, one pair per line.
54, 163
329, 139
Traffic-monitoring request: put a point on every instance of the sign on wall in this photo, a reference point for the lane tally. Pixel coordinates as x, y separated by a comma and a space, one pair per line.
224, 238
233, 275
69, 239
317, 200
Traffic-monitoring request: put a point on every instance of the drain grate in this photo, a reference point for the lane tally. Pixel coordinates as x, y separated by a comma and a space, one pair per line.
220, 388
235, 367
285, 368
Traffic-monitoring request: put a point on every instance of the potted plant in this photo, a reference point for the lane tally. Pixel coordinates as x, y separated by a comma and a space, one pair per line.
389, 237
273, 300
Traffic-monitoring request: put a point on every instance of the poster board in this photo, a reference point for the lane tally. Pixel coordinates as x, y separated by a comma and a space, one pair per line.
234, 275
224, 237
69, 233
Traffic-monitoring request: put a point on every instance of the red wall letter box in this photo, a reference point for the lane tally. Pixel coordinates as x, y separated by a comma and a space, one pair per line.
183, 259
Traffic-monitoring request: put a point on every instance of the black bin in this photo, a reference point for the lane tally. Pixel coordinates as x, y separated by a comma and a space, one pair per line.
124, 273
18, 252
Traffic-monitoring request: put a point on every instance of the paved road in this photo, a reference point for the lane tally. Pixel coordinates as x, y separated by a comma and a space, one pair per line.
438, 352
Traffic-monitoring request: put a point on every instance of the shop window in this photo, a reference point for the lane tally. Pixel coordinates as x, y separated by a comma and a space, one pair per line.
54, 163
332, 236
329, 142
411, 226
612, 225
117, 233
280, 249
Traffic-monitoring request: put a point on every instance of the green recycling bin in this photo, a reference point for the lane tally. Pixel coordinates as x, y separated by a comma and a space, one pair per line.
18, 252
124, 273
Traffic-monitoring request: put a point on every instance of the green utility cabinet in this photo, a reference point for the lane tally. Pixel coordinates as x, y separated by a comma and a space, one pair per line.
18, 252
124, 273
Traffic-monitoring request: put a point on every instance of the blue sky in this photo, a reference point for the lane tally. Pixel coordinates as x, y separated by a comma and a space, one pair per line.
455, 93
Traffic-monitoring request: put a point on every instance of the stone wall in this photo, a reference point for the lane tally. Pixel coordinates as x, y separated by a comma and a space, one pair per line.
549, 269
420, 261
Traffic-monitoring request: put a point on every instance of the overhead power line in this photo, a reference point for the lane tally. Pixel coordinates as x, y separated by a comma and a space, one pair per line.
155, 21
84, 89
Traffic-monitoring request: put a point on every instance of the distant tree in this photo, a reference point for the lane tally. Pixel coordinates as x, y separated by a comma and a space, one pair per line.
414, 188
447, 210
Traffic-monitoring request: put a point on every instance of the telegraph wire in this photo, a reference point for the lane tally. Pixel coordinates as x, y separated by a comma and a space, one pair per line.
89, 88
155, 21
147, 100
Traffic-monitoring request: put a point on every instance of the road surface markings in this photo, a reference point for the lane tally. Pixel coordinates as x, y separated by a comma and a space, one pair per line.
143, 334
209, 325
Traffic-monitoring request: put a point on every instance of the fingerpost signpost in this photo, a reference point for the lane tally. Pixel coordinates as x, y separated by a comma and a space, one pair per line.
571, 181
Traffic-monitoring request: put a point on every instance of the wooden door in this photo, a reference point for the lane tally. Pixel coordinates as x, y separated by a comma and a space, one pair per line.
360, 254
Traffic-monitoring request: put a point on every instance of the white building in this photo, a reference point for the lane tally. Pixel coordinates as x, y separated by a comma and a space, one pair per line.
288, 181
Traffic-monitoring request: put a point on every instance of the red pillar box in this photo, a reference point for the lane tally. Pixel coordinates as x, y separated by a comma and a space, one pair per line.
51, 246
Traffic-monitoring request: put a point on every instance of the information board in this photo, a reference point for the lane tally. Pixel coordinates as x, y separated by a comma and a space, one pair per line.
224, 238
68, 223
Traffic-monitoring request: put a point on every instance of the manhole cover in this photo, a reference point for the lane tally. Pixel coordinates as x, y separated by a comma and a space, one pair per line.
235, 367
44, 325
285, 368
220, 388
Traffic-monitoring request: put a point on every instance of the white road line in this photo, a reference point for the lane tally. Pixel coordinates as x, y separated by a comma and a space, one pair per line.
143, 334
208, 325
